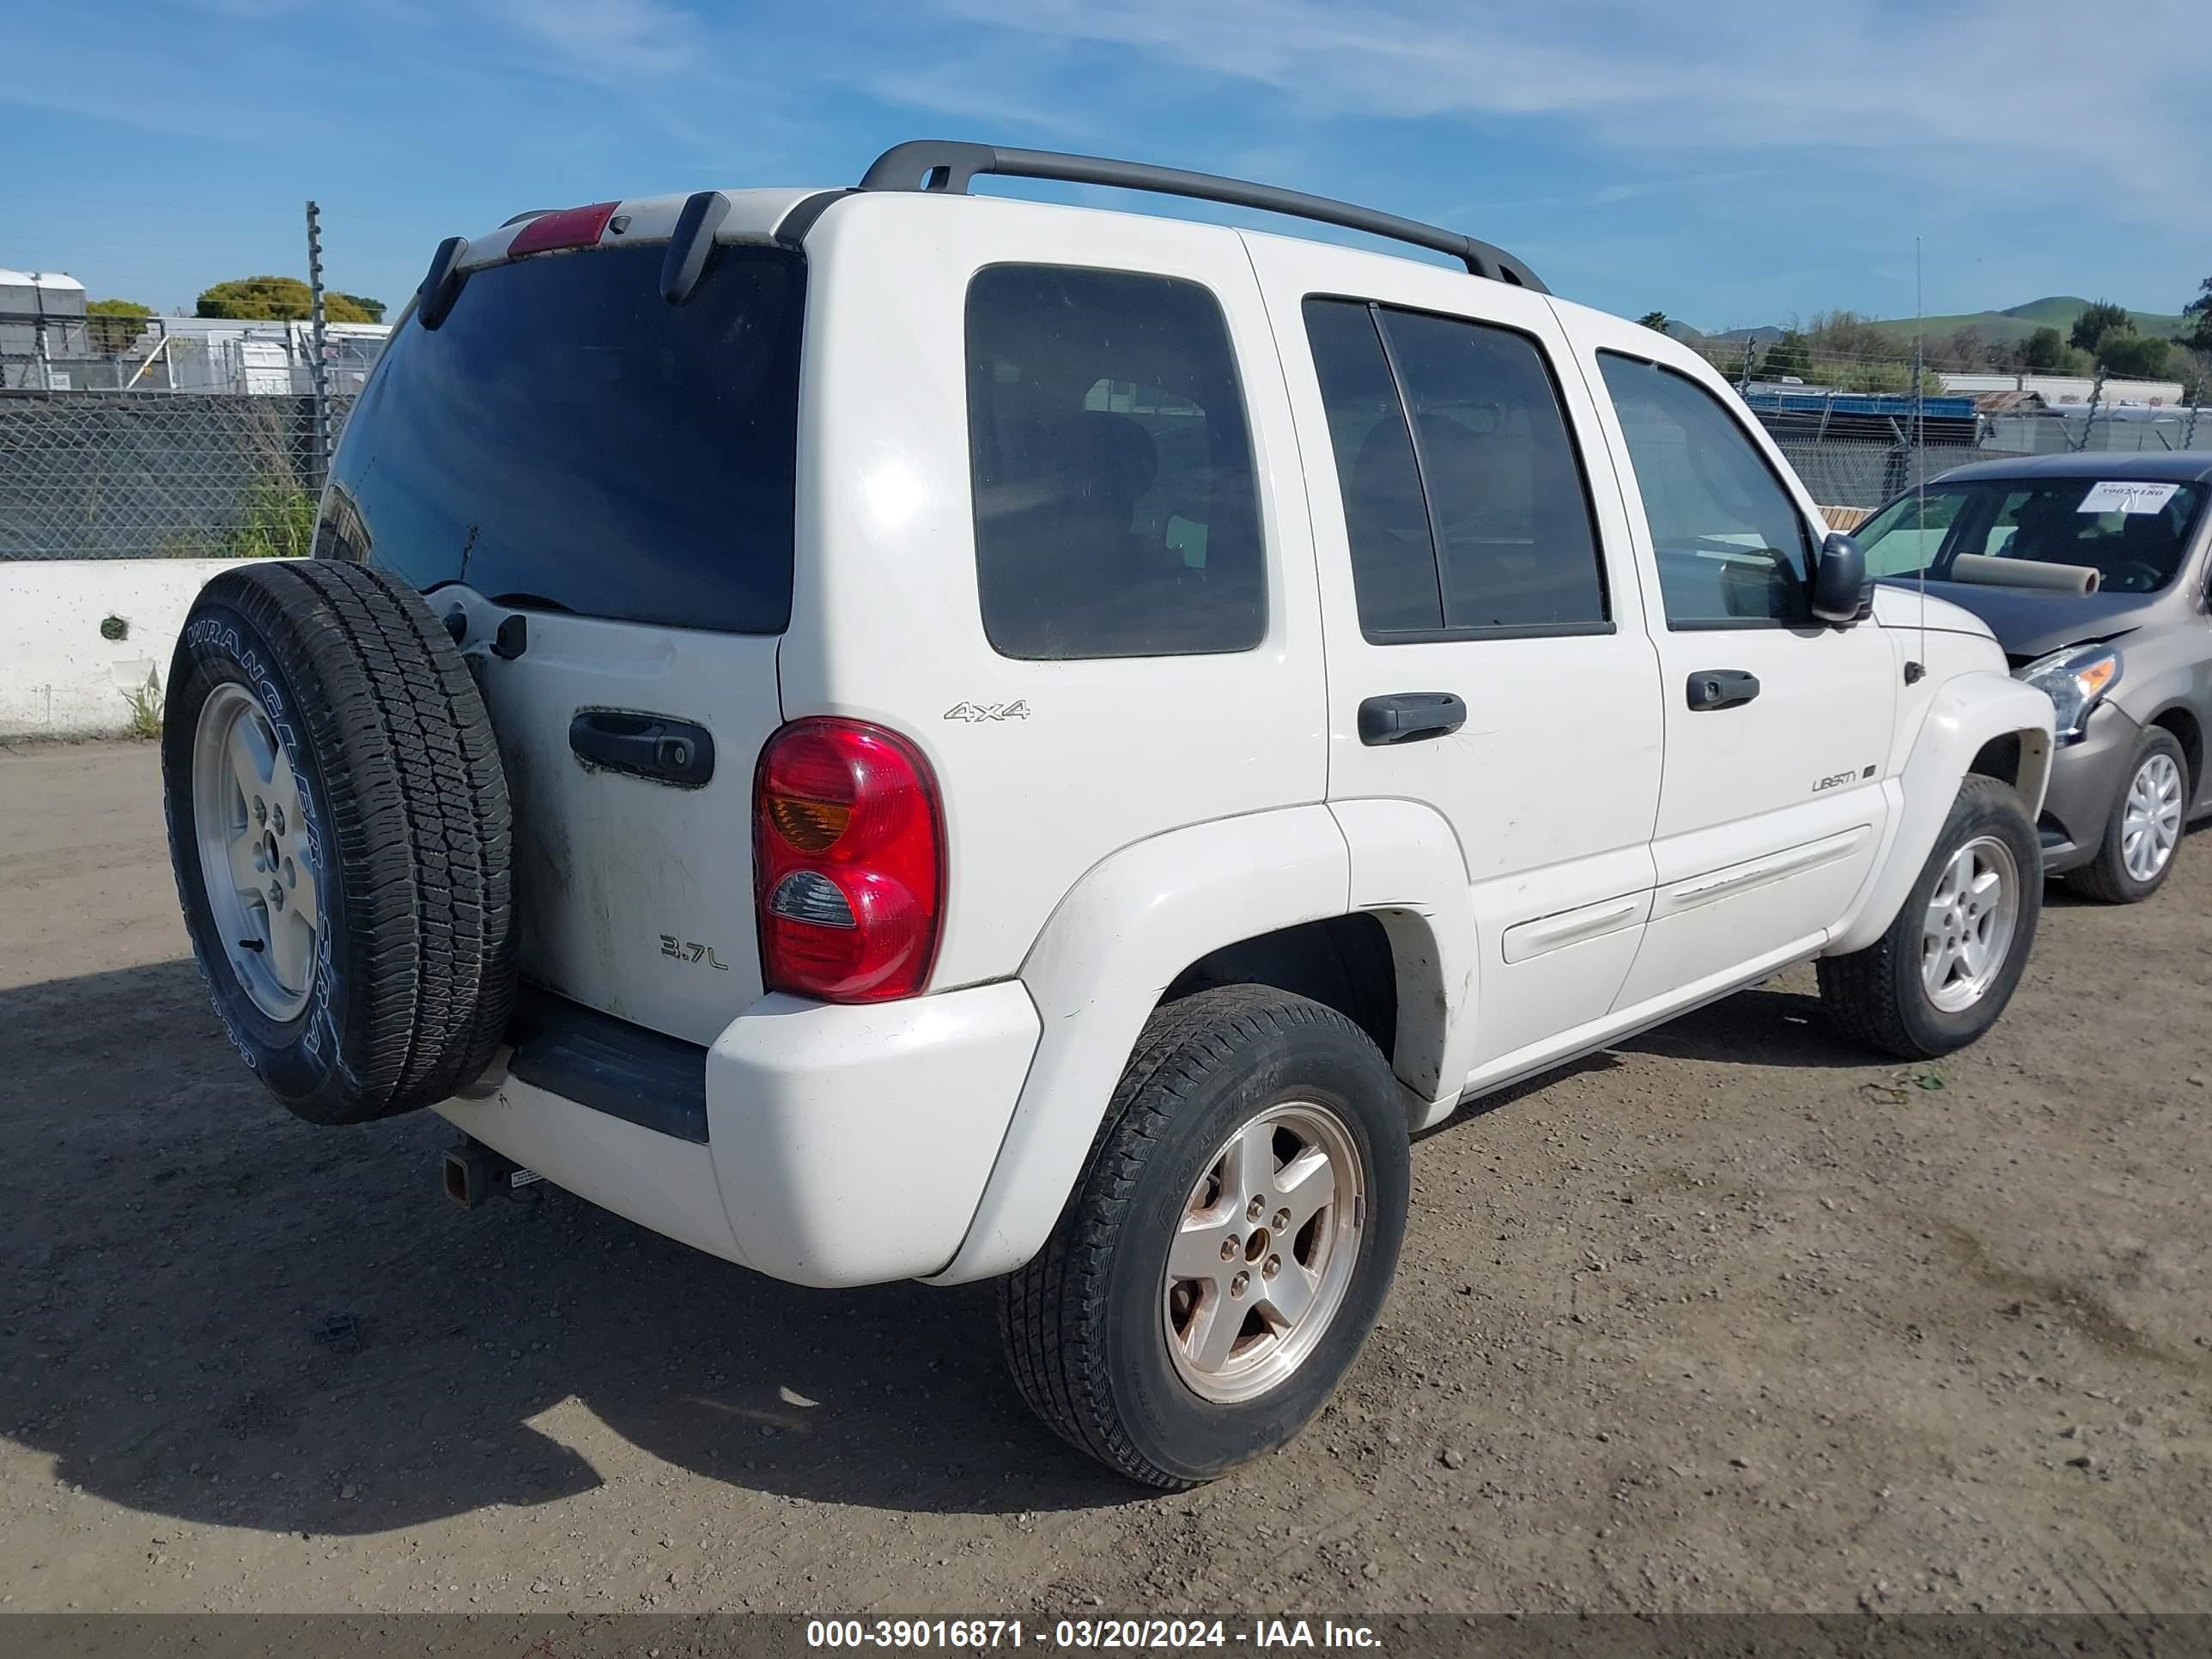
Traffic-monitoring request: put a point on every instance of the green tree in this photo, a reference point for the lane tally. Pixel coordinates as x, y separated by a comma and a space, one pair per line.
122, 321
374, 308
2133, 356
2199, 337
1788, 355
275, 299
2099, 318
2045, 350
1659, 319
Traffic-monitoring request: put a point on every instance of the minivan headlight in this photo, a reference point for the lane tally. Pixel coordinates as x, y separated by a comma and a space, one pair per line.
2076, 680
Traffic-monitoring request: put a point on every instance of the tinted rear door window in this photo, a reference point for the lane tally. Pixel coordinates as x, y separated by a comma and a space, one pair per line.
1115, 510
1386, 520
1514, 535
567, 440
1473, 519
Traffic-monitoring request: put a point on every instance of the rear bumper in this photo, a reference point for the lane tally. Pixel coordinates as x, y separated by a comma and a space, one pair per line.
2085, 786
844, 1145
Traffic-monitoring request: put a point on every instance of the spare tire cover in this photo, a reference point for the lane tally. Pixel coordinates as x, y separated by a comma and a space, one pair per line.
340, 832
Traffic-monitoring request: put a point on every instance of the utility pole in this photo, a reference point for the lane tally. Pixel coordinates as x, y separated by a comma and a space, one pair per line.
318, 459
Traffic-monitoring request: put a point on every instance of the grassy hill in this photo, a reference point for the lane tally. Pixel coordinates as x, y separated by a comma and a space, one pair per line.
2055, 311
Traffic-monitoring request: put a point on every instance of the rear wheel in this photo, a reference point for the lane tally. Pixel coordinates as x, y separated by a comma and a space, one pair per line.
338, 828
2144, 830
1949, 964
1229, 1247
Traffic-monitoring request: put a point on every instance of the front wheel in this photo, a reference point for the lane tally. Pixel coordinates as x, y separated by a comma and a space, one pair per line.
1230, 1244
2135, 855
1939, 978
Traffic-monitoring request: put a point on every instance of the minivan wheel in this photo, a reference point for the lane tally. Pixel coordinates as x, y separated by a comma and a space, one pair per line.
2143, 831
1942, 973
339, 832
1229, 1246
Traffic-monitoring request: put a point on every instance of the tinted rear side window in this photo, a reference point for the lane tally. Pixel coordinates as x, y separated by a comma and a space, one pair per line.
1475, 520
1512, 518
1386, 520
567, 440
1115, 510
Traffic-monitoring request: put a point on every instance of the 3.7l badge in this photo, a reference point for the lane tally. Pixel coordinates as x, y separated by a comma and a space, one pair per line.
689, 949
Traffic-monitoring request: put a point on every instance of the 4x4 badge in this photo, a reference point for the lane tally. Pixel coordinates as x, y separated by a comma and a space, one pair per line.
974, 713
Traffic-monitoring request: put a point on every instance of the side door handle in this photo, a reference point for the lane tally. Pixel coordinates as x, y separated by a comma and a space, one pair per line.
657, 747
1410, 716
1721, 688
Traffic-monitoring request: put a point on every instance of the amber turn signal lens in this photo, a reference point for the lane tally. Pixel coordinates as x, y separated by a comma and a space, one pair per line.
812, 826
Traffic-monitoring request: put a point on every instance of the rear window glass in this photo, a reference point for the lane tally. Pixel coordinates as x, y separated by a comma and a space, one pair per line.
1115, 510
568, 441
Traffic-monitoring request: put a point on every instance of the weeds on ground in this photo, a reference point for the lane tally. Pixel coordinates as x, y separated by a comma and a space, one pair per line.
279, 524
146, 708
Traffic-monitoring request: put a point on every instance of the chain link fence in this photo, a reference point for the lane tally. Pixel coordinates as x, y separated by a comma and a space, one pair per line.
91, 474
1865, 475
94, 475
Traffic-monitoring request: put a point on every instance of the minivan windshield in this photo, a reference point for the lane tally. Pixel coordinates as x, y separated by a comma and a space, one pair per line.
2133, 532
567, 439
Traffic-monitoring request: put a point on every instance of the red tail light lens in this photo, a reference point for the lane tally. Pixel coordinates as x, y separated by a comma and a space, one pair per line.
848, 862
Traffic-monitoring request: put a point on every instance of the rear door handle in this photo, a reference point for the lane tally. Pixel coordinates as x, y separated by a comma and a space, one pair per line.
1410, 716
658, 747
1721, 688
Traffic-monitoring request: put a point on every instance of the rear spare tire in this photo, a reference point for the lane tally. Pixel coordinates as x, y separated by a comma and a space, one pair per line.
339, 830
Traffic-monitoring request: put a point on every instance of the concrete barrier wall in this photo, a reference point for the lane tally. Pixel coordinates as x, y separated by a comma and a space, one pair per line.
60, 676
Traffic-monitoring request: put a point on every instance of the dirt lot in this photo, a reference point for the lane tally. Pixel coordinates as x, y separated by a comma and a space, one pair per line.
1729, 1318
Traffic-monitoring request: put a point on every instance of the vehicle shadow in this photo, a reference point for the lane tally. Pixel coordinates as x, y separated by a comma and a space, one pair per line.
1498, 1100
214, 1312
2060, 894
1762, 1026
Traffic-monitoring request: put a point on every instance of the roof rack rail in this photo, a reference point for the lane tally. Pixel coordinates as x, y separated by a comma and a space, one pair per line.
947, 168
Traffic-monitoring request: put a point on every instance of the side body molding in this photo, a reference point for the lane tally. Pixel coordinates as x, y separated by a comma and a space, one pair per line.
1967, 711
1115, 944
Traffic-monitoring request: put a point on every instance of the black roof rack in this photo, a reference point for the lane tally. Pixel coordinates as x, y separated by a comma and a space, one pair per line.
941, 166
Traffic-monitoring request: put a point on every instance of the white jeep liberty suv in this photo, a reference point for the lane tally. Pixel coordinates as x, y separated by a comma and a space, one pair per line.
885, 733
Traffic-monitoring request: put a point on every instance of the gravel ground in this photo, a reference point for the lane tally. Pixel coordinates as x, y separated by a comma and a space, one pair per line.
1729, 1318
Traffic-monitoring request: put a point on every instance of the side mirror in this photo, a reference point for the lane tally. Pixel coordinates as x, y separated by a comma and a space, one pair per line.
1840, 585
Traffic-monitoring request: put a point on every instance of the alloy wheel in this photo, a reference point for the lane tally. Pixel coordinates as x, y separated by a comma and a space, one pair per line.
1268, 1239
256, 856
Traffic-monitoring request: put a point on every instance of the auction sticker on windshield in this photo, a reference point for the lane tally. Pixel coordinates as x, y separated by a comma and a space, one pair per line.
2123, 497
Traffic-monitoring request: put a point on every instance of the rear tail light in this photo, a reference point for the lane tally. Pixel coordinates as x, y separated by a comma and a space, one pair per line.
848, 862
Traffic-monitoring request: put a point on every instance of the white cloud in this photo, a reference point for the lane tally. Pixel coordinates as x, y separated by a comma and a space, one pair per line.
627, 40
1907, 86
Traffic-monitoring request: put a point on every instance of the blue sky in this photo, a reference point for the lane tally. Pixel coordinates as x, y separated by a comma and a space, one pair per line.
1729, 161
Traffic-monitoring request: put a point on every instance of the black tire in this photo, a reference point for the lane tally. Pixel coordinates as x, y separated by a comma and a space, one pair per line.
2106, 877
1083, 1323
1877, 995
404, 816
